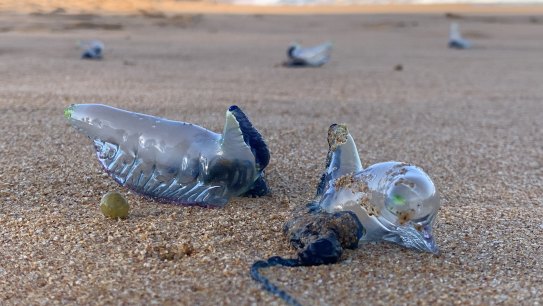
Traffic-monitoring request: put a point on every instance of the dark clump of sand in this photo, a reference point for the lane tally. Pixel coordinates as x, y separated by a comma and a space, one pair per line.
471, 119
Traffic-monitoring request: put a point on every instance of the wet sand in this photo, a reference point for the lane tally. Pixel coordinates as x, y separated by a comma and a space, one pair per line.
471, 119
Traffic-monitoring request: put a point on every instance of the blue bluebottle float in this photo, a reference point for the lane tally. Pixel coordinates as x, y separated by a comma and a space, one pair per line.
394, 201
93, 50
456, 41
312, 56
176, 161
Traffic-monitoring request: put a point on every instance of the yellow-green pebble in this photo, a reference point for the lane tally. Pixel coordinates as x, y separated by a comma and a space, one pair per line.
114, 205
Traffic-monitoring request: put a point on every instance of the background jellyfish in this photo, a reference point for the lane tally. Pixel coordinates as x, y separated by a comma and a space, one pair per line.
312, 56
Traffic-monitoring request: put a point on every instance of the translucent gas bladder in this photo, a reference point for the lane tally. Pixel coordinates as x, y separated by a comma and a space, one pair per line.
395, 202
176, 161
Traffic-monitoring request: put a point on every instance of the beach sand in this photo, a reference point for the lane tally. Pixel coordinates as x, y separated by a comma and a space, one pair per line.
471, 119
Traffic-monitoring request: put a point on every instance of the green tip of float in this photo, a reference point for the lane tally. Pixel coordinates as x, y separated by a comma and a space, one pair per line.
68, 112
398, 200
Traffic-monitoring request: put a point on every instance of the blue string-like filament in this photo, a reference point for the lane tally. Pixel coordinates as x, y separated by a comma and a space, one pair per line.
267, 285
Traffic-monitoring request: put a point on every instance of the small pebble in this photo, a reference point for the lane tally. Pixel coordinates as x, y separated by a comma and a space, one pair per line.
114, 205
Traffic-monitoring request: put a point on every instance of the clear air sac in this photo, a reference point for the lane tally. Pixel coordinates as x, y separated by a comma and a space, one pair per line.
175, 161
395, 202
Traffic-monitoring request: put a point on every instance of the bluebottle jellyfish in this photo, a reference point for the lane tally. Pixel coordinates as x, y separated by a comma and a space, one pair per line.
390, 201
456, 41
312, 56
176, 161
92, 50
395, 202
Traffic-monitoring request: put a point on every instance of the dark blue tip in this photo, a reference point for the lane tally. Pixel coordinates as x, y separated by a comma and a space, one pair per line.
89, 54
252, 137
290, 51
458, 44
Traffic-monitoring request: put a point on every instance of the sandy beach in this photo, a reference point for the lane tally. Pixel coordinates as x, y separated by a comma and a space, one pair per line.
471, 119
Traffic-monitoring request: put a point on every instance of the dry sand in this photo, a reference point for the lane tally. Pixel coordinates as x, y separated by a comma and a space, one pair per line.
472, 119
